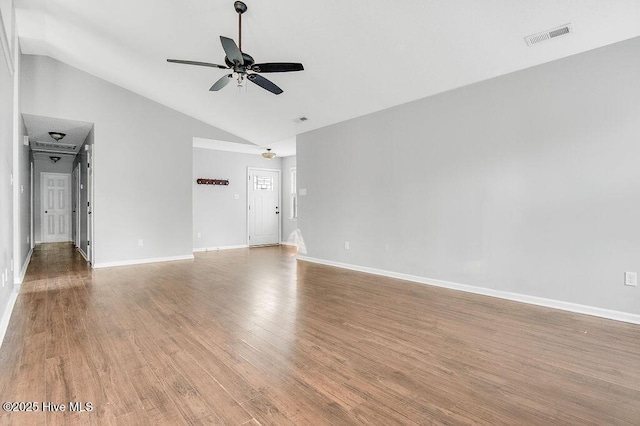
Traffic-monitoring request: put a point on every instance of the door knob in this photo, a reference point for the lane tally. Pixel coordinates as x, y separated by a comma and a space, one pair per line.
277, 212
46, 211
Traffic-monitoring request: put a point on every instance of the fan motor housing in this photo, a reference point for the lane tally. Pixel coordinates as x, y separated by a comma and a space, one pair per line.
248, 61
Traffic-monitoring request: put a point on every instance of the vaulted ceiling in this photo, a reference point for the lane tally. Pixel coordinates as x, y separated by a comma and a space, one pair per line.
359, 56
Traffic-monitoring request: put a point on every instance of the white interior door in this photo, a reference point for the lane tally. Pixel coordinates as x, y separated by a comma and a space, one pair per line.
264, 207
56, 205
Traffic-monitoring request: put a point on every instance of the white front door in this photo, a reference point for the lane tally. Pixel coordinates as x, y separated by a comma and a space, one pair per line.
264, 207
56, 206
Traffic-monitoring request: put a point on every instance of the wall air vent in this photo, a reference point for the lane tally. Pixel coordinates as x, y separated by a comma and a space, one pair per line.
548, 35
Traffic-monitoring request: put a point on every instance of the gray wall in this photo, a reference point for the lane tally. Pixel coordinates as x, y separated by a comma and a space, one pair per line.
289, 225
45, 166
220, 219
142, 159
22, 241
527, 183
24, 171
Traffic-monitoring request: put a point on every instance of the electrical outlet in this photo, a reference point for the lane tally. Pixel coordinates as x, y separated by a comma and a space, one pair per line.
140, 242
631, 279
346, 245
236, 196
22, 189
199, 235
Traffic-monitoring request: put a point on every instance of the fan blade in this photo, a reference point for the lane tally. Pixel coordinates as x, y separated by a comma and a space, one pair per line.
264, 83
202, 64
231, 49
224, 80
277, 67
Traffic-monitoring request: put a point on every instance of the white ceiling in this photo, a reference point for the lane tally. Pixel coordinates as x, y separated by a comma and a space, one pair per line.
38, 128
283, 148
359, 56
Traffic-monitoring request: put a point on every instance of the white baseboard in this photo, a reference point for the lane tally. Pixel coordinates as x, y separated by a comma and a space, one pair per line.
286, 243
83, 254
6, 315
141, 261
23, 271
201, 249
517, 297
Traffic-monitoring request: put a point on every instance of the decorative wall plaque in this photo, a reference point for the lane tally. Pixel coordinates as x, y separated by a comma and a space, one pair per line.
202, 181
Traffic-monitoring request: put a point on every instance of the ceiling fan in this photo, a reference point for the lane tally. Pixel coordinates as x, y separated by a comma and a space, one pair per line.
242, 64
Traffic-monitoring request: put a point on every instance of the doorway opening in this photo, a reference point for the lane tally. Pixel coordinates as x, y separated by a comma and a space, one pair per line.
62, 193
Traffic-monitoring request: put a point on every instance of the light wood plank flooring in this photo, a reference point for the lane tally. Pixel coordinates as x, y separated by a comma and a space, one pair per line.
252, 337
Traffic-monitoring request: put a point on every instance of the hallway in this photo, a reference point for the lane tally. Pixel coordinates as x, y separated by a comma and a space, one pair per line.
251, 336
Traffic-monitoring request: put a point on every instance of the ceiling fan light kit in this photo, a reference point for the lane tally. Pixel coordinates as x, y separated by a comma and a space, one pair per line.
57, 135
269, 155
243, 65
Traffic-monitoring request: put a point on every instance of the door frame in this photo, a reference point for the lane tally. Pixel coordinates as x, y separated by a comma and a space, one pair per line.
90, 206
42, 203
32, 242
279, 186
76, 215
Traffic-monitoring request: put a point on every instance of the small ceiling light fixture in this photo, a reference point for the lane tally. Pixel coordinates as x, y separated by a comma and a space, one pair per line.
57, 135
269, 154
55, 158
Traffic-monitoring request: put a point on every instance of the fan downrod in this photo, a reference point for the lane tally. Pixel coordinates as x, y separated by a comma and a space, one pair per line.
240, 7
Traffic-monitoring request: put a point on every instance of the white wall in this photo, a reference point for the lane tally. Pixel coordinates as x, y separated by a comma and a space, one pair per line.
527, 183
220, 219
142, 160
7, 139
289, 224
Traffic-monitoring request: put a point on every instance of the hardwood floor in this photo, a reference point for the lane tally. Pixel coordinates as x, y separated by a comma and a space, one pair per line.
252, 337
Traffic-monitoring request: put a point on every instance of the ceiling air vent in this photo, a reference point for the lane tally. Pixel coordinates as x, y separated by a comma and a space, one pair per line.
548, 35
55, 145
